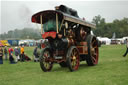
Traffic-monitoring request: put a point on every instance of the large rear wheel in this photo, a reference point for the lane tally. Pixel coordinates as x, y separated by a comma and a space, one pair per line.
45, 63
73, 58
93, 51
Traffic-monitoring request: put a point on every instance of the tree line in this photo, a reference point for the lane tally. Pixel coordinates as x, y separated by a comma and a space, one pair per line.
26, 33
117, 27
103, 29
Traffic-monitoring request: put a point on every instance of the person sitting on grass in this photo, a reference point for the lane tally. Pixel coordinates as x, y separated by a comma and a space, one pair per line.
27, 58
11, 59
126, 49
1, 55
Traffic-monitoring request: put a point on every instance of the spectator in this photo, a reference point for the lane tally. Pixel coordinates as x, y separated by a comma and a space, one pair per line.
27, 58
6, 53
1, 55
36, 54
17, 54
19, 51
22, 53
126, 49
11, 59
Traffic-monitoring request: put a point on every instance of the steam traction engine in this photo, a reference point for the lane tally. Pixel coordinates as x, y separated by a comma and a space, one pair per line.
67, 39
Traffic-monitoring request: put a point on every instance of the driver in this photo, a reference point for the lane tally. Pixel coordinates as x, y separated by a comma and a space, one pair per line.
83, 33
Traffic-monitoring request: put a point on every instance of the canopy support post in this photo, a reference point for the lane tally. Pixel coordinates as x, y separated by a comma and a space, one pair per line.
41, 24
57, 23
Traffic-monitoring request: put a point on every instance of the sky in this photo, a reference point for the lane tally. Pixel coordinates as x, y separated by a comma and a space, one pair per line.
17, 14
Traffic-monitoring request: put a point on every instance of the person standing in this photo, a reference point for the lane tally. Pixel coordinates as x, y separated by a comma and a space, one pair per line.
19, 49
126, 49
11, 59
6, 53
1, 55
22, 53
17, 54
36, 55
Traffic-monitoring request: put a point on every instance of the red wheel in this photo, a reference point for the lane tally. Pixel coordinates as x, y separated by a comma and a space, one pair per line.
73, 58
45, 64
93, 51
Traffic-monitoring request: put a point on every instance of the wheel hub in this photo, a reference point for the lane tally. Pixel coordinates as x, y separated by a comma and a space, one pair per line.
74, 57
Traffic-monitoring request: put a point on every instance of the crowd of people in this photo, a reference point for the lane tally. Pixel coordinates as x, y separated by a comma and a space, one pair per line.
18, 53
21, 56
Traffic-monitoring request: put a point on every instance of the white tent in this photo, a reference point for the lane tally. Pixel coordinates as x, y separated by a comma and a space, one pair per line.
27, 42
106, 40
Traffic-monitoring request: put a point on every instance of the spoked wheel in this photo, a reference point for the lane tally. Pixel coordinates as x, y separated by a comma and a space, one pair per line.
45, 63
93, 51
73, 58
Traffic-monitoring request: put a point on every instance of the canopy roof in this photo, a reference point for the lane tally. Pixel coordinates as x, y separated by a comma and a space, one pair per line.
51, 14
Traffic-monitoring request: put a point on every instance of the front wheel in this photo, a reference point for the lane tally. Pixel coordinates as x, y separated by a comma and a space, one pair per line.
45, 63
73, 58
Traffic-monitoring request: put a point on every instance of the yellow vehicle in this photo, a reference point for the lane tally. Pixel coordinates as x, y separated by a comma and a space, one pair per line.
5, 43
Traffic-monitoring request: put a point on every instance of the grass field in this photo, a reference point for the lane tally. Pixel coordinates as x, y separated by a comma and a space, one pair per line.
112, 69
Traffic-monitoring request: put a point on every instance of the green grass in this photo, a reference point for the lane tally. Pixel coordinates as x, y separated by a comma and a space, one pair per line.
112, 69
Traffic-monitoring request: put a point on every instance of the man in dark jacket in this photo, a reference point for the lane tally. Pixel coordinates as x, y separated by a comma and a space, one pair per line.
126, 49
36, 54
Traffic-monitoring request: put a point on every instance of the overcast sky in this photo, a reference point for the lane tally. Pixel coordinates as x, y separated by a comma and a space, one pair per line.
17, 14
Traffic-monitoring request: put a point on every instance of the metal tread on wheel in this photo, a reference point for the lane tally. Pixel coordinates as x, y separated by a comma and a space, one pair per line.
45, 63
93, 51
73, 58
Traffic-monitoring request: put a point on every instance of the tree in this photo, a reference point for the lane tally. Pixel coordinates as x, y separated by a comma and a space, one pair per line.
100, 25
22, 34
119, 27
